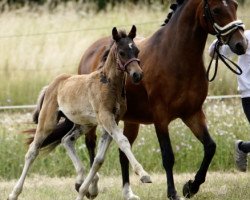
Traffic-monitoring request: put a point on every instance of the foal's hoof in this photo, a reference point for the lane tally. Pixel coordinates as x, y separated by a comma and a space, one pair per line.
77, 186
187, 189
91, 196
146, 179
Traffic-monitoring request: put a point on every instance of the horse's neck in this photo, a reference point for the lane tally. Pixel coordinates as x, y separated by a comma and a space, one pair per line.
110, 68
184, 31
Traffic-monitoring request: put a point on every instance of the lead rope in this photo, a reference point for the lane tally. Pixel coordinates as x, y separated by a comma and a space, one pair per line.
221, 31
224, 59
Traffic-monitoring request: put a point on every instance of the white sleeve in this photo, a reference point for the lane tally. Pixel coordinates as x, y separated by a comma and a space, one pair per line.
224, 49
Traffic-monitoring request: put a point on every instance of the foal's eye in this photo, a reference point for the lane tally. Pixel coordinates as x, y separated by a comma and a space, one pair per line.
122, 54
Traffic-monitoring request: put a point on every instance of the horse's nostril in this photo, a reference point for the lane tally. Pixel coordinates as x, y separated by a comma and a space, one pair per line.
240, 48
137, 77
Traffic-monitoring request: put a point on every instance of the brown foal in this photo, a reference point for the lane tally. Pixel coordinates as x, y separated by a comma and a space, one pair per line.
89, 100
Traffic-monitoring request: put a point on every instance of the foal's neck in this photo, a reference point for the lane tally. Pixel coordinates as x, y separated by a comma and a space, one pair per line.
110, 69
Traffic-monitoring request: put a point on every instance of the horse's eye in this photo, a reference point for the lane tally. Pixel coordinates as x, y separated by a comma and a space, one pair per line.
216, 11
122, 54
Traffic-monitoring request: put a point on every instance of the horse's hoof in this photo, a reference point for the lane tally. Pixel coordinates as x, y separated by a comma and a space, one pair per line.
12, 197
146, 179
187, 189
174, 197
77, 186
91, 196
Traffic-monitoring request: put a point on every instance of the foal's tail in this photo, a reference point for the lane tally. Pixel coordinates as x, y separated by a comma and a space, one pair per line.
39, 105
36, 114
55, 137
61, 129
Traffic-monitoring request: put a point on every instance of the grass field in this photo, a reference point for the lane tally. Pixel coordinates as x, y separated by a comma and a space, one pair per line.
219, 186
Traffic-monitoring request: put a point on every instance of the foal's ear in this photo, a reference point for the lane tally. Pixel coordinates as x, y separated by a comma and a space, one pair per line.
115, 34
132, 32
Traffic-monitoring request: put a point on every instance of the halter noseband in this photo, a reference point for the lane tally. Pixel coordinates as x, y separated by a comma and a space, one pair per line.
123, 66
221, 31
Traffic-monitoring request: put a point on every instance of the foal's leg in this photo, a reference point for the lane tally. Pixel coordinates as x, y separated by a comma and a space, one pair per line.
98, 161
68, 142
198, 126
90, 141
108, 122
47, 122
131, 132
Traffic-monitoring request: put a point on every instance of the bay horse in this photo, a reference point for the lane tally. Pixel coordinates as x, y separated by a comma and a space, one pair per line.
88, 100
175, 83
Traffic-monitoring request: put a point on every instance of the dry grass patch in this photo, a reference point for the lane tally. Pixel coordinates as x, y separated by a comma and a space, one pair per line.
219, 186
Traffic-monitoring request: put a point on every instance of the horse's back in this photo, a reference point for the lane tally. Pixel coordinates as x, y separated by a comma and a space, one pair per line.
93, 56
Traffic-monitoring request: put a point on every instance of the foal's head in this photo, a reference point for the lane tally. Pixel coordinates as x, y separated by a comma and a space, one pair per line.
127, 53
220, 18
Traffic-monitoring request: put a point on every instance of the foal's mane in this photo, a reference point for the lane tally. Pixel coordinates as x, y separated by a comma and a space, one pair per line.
105, 54
173, 7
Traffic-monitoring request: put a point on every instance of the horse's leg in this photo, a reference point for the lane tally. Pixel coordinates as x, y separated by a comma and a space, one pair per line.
90, 141
131, 132
98, 161
47, 122
108, 122
68, 142
167, 158
198, 126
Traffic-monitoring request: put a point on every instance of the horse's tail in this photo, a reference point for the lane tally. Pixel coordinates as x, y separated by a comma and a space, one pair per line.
61, 129
36, 115
55, 137
39, 105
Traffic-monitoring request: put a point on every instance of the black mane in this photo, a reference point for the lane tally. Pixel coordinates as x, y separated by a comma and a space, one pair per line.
173, 7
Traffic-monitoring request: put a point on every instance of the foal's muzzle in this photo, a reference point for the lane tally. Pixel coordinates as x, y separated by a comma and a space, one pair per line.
137, 77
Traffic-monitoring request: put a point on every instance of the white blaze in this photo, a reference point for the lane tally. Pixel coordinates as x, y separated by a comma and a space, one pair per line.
225, 3
130, 45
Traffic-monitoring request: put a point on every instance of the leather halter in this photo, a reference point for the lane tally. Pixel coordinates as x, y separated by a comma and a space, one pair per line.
226, 30
123, 66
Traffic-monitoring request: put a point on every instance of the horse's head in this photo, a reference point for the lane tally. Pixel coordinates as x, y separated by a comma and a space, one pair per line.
127, 53
220, 19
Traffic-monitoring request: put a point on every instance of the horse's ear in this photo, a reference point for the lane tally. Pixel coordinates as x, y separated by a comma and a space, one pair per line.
115, 34
132, 32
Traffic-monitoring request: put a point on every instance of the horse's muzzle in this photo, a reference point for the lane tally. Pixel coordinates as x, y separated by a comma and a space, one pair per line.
137, 77
240, 48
